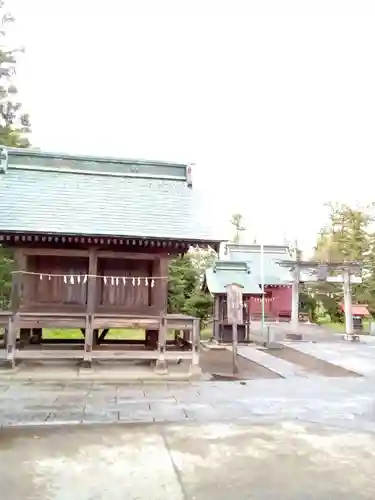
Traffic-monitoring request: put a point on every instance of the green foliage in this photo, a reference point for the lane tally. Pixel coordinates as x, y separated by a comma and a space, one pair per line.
202, 258
347, 238
14, 125
5, 277
184, 289
308, 304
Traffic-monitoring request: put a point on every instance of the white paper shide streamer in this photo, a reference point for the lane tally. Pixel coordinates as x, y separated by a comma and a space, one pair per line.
72, 279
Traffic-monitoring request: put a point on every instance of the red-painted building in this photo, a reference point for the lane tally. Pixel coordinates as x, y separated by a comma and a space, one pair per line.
277, 279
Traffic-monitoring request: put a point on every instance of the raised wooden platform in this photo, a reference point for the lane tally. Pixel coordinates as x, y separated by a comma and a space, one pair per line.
86, 350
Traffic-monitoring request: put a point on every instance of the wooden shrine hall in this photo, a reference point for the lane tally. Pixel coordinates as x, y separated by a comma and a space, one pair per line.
92, 239
217, 278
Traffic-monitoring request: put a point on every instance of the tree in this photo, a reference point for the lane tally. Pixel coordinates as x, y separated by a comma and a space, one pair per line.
202, 258
308, 303
184, 289
14, 125
5, 277
237, 223
347, 237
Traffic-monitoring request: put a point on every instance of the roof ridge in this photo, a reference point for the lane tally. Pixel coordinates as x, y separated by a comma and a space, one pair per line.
27, 159
94, 158
231, 265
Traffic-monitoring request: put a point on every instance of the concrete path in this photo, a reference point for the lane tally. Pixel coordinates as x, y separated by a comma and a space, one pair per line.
348, 402
283, 368
356, 357
287, 460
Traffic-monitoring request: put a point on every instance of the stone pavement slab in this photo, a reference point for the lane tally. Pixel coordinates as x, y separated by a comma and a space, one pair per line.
280, 366
315, 399
359, 358
199, 461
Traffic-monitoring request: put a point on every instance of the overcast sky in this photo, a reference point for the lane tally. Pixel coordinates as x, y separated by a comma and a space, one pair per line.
274, 101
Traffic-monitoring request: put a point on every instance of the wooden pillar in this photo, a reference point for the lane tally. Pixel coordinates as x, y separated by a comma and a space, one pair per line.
186, 335
87, 354
216, 326
90, 309
295, 299
13, 325
161, 365
246, 314
234, 348
160, 299
91, 282
11, 339
195, 346
347, 302
160, 291
20, 283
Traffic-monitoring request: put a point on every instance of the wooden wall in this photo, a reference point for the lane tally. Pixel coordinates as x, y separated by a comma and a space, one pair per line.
51, 292
116, 293
55, 289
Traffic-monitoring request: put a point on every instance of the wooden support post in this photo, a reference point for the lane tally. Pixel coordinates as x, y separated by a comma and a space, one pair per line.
235, 317
161, 365
295, 299
216, 326
11, 340
347, 302
87, 354
162, 284
234, 348
13, 325
246, 314
195, 346
91, 283
90, 309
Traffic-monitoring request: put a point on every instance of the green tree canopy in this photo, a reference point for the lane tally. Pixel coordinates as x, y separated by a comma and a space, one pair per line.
347, 237
185, 295
14, 124
14, 127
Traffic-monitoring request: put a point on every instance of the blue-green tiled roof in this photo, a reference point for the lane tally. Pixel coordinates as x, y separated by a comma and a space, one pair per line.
43, 192
225, 273
274, 274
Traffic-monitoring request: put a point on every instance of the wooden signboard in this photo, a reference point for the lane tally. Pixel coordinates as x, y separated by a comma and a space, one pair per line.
235, 316
234, 304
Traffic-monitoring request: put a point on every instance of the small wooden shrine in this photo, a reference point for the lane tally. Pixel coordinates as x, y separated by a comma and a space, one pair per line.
360, 312
277, 280
217, 279
92, 239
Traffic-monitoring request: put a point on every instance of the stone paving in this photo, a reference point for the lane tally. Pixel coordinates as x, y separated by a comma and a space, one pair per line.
283, 368
345, 402
196, 461
288, 438
357, 357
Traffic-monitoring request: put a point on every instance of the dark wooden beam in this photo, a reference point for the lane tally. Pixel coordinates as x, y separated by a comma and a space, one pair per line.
103, 335
173, 246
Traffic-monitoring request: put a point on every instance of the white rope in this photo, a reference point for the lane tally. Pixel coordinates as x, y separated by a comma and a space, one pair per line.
89, 276
82, 278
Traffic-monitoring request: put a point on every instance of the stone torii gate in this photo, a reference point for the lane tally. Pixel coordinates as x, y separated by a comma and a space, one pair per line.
310, 271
